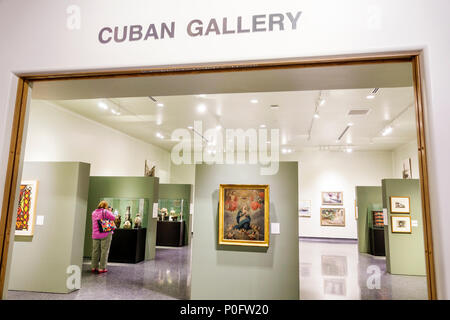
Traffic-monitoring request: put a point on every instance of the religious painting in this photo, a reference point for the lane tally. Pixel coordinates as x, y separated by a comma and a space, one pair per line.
26, 214
399, 204
305, 209
332, 198
244, 215
333, 217
401, 224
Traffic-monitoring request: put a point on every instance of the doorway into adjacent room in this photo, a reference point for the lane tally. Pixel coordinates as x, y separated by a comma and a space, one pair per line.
353, 128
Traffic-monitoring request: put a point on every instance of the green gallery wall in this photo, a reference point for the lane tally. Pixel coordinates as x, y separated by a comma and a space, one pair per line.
368, 198
175, 192
57, 243
239, 272
129, 188
405, 253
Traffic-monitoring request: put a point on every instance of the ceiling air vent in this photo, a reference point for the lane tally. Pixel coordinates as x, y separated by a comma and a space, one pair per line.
358, 112
274, 106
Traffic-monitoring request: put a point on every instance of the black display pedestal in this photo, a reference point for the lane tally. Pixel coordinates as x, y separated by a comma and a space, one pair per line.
377, 242
170, 233
128, 245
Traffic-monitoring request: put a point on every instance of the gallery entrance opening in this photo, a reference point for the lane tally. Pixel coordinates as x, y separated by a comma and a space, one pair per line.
287, 182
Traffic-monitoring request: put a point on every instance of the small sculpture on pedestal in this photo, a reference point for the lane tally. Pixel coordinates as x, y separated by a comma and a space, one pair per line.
138, 221
118, 221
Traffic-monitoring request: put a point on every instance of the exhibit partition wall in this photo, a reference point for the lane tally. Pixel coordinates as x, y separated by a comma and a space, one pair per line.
261, 255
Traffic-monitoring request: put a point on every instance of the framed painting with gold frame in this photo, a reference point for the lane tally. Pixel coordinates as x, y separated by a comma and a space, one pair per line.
244, 215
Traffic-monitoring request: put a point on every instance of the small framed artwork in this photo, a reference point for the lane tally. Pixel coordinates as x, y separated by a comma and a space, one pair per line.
332, 217
26, 212
305, 209
406, 170
401, 224
332, 198
399, 204
244, 215
378, 219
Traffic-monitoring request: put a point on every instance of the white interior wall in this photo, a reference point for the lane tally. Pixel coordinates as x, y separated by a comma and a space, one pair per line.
403, 152
55, 134
337, 171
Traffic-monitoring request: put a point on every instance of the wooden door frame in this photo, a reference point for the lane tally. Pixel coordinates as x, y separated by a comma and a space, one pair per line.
18, 124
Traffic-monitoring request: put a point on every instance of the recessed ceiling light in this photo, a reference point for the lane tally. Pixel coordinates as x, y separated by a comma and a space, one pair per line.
268, 142
190, 127
103, 105
201, 108
218, 127
201, 95
262, 126
349, 150
254, 101
159, 135
370, 96
284, 151
160, 104
117, 113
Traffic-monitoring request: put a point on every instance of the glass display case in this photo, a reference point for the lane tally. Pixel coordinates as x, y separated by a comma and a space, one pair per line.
173, 209
375, 222
130, 213
375, 217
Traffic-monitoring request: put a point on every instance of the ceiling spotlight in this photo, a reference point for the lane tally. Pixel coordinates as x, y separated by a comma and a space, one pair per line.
262, 126
190, 127
316, 115
160, 104
349, 150
254, 101
117, 113
268, 142
284, 151
350, 124
386, 131
322, 102
218, 127
201, 108
370, 96
102, 105
159, 135
201, 95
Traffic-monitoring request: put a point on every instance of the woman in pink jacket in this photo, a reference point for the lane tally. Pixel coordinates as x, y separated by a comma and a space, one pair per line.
101, 241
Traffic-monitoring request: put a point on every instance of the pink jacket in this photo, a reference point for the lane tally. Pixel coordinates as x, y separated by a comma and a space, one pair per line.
97, 215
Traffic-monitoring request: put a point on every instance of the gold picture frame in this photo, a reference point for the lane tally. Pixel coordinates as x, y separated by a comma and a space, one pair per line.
332, 217
332, 198
244, 215
407, 228
400, 204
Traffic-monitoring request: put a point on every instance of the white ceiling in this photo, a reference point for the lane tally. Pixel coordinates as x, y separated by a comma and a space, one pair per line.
140, 117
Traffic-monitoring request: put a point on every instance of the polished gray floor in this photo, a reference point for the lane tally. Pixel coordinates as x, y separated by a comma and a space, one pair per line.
336, 270
328, 270
167, 277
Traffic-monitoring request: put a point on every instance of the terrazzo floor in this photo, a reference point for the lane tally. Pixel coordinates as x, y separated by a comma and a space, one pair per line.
165, 278
328, 270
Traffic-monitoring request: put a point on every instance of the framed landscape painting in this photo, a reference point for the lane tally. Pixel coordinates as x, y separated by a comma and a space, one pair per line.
333, 217
26, 212
399, 204
332, 198
244, 215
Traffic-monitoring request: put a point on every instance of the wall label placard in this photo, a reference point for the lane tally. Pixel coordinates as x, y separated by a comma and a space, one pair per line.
201, 27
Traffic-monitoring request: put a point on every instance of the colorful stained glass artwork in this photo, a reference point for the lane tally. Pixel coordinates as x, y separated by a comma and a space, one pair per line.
26, 209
